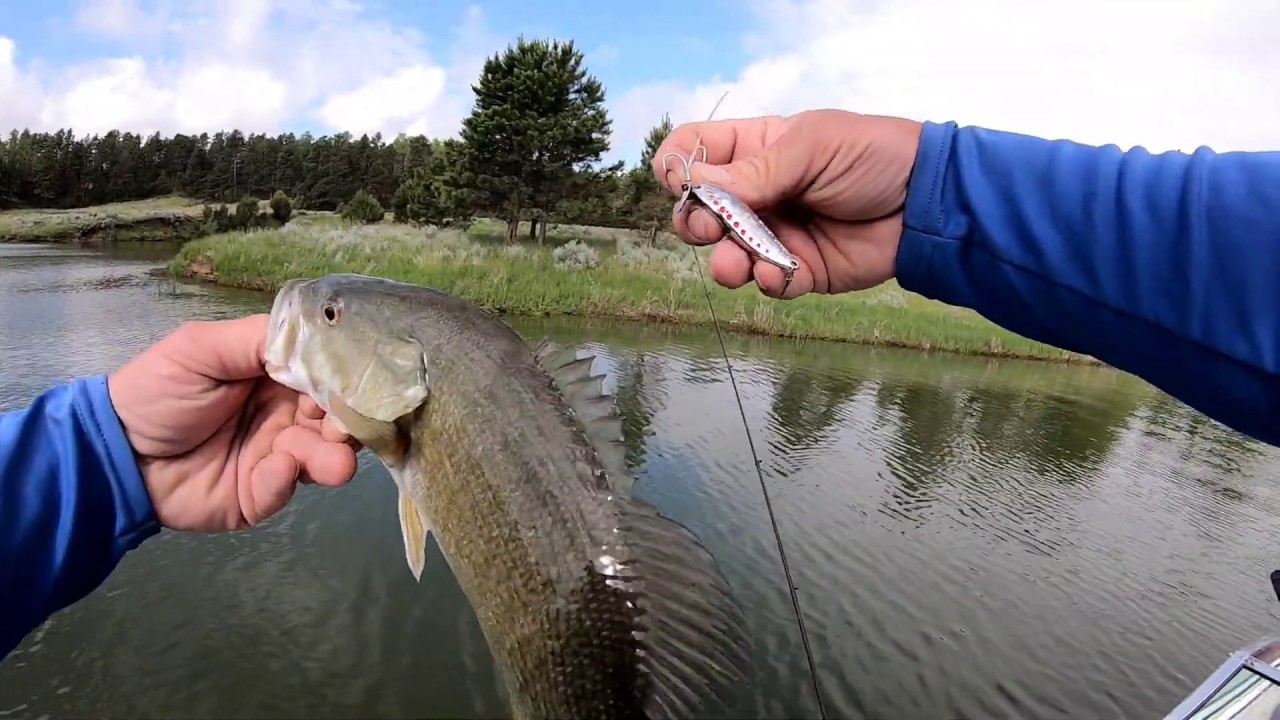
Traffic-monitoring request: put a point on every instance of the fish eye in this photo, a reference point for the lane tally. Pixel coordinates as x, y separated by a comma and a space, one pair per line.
332, 312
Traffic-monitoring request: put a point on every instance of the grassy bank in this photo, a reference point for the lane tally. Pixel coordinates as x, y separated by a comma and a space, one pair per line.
166, 218
608, 274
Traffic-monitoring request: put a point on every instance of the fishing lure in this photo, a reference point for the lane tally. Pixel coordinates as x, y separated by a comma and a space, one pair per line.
741, 223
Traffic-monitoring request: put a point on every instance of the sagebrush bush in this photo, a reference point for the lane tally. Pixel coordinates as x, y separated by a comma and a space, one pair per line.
576, 255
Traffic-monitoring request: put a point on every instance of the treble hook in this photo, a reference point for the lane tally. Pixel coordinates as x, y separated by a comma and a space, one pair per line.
686, 187
688, 177
686, 164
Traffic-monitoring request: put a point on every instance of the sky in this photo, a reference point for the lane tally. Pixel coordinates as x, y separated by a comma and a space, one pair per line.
1163, 74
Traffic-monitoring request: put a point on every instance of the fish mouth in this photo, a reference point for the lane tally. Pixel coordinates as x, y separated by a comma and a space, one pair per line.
280, 348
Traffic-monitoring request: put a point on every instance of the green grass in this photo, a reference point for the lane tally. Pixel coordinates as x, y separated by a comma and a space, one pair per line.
164, 218
610, 276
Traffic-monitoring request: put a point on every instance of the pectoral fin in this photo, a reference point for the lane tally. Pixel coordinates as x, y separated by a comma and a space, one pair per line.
382, 437
394, 384
414, 528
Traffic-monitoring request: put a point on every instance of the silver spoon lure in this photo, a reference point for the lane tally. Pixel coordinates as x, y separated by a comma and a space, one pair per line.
741, 223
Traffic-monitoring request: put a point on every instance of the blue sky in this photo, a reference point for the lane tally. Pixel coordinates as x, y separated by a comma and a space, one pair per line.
627, 45
1172, 74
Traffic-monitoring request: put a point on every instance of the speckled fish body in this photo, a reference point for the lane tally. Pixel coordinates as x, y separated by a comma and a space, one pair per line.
510, 455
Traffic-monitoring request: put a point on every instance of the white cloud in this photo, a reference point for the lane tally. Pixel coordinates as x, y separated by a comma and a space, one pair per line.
20, 95
1171, 74
257, 65
1168, 75
388, 104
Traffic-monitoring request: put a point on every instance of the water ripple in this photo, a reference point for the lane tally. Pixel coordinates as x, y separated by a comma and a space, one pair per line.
969, 538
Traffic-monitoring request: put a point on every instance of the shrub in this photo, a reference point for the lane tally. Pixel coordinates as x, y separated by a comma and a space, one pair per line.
426, 200
246, 212
363, 208
216, 219
281, 206
576, 255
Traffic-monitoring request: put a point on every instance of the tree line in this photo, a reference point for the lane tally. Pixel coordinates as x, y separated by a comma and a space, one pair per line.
529, 150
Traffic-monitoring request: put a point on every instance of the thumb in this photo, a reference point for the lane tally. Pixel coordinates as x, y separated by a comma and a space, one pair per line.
222, 350
765, 179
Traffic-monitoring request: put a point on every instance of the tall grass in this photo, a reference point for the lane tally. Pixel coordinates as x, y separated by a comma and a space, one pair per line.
616, 278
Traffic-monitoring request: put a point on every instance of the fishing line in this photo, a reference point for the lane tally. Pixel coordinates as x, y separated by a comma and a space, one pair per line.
773, 520
755, 457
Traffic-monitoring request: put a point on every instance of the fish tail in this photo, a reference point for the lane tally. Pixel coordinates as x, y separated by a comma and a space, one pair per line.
692, 631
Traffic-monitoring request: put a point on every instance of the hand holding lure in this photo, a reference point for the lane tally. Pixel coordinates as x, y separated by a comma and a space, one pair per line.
741, 222
749, 230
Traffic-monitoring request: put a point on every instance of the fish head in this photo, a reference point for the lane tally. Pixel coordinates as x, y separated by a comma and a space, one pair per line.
338, 339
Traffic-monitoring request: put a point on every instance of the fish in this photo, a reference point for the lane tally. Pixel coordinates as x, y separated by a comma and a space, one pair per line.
509, 453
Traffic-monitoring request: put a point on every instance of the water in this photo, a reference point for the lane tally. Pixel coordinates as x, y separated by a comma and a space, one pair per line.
970, 538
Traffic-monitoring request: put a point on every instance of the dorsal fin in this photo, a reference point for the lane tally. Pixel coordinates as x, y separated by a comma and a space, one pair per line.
595, 410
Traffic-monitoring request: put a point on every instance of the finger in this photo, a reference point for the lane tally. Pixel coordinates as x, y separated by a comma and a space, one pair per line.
724, 140
332, 431
705, 227
309, 408
309, 414
327, 463
697, 226
730, 265
770, 279
271, 485
221, 349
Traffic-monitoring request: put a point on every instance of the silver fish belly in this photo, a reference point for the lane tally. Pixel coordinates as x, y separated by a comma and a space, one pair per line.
745, 226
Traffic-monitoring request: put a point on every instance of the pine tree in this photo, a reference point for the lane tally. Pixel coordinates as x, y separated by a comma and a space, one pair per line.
538, 118
657, 134
651, 204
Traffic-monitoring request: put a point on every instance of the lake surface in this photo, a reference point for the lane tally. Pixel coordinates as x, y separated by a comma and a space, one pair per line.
970, 538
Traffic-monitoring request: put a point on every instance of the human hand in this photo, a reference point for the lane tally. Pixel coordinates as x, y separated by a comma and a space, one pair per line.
830, 183
222, 446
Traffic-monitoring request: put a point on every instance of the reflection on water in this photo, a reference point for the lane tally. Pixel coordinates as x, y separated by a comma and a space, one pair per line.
970, 538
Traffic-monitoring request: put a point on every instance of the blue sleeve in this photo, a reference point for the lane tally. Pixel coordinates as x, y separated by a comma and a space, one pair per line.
1166, 266
72, 503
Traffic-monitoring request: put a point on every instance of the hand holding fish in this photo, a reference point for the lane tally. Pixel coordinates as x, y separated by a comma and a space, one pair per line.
222, 446
829, 183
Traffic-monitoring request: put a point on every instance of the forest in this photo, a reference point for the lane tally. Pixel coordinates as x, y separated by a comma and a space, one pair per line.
530, 150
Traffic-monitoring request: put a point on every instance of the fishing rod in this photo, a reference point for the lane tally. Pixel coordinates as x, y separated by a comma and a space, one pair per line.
751, 232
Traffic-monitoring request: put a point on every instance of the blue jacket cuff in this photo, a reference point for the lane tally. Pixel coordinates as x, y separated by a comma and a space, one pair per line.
923, 218
136, 517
